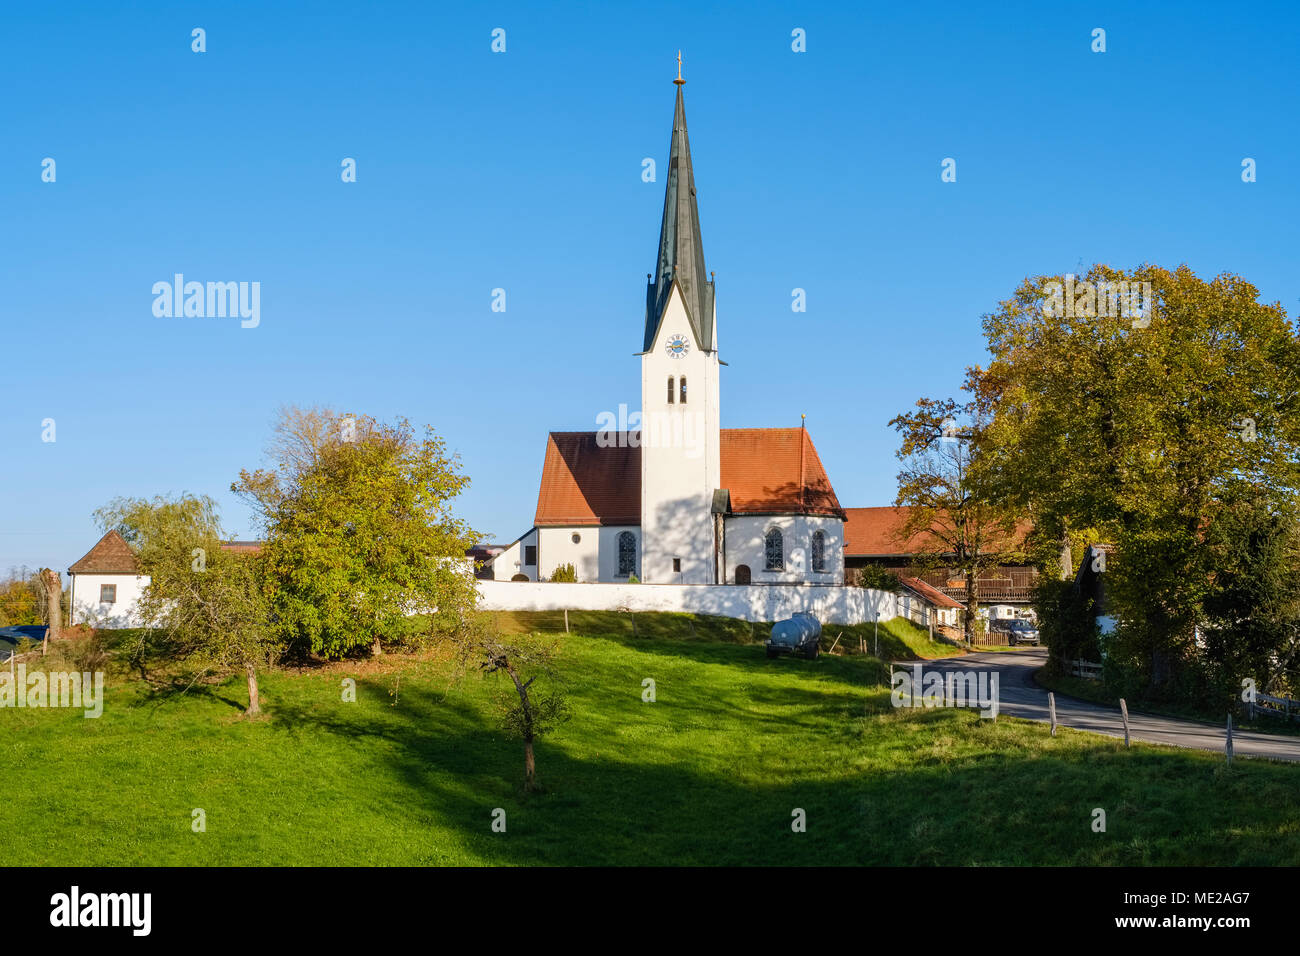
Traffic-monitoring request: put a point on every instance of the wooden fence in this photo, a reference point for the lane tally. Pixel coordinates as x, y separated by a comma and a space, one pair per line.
1085, 669
1283, 707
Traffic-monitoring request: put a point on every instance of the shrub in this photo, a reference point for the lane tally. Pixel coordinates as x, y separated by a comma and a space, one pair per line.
878, 579
564, 573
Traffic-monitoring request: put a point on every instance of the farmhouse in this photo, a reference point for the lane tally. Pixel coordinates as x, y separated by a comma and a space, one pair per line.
107, 583
680, 500
875, 537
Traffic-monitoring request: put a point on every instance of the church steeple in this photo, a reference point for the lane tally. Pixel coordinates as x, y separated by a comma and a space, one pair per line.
681, 252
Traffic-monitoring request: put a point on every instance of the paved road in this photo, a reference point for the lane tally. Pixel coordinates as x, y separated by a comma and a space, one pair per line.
1019, 696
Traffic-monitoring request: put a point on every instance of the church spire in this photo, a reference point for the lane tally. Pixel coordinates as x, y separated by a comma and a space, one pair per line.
681, 252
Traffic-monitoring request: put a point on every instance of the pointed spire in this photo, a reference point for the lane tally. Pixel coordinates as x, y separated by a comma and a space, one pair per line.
681, 251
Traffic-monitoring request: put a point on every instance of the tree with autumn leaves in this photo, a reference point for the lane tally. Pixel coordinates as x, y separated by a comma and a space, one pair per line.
1173, 433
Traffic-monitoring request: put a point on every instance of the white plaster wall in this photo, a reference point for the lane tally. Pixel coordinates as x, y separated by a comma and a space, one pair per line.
594, 556
511, 561
756, 602
746, 535
86, 608
680, 466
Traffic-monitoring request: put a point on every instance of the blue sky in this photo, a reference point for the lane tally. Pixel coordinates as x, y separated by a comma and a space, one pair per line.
522, 170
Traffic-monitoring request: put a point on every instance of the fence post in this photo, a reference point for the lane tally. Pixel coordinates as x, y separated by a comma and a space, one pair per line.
1051, 709
1123, 709
1227, 742
566, 620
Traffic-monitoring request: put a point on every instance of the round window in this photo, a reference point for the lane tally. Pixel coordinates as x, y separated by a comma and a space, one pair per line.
576, 537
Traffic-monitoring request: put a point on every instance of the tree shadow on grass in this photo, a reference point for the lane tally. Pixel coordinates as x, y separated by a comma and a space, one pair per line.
160, 693
610, 802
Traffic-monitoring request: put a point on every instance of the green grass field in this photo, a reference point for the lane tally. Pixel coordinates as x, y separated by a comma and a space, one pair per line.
708, 774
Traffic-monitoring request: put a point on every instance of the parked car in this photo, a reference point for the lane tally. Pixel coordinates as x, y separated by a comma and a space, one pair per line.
798, 634
12, 637
1021, 632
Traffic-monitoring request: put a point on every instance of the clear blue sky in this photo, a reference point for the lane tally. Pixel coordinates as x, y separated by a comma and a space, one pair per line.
522, 170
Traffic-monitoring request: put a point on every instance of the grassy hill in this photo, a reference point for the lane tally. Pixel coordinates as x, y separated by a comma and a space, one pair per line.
707, 774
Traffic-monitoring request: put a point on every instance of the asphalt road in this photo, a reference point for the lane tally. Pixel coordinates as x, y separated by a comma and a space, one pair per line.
1019, 696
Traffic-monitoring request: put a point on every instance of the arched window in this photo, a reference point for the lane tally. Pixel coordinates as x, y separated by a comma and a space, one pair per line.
670, 389
819, 551
626, 553
683, 391
774, 551
742, 574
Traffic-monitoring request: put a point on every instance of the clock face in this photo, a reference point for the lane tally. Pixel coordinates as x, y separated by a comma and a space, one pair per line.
678, 346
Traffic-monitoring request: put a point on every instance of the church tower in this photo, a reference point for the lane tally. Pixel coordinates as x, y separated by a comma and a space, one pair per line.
680, 469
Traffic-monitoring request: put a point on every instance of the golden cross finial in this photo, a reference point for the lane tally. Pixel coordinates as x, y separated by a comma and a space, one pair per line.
679, 81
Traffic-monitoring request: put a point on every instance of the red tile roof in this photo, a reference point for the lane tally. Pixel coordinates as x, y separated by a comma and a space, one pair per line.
110, 555
242, 547
931, 594
586, 484
877, 532
761, 469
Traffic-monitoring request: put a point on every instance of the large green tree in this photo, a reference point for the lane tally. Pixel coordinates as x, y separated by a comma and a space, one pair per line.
1143, 422
208, 601
360, 533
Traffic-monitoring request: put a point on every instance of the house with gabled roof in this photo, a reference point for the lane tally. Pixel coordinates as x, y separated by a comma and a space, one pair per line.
876, 537
674, 498
107, 584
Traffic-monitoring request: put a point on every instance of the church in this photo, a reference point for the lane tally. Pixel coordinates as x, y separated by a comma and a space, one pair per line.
678, 499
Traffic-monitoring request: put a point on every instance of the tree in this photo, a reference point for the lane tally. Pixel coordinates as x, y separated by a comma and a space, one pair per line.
207, 600
959, 526
565, 572
359, 531
531, 714
1252, 613
148, 524
53, 585
879, 579
1141, 422
21, 599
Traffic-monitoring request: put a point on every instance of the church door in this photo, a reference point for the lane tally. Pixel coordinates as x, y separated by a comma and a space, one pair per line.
742, 574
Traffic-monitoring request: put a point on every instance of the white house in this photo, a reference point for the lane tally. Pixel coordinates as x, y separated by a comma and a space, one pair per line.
674, 498
106, 584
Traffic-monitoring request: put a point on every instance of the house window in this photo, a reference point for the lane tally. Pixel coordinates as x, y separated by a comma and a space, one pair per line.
626, 553
670, 389
819, 551
108, 594
677, 564
774, 551
683, 390
530, 555
577, 538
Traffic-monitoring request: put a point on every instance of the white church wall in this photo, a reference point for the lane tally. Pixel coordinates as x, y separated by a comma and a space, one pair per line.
756, 602
511, 561
746, 544
594, 555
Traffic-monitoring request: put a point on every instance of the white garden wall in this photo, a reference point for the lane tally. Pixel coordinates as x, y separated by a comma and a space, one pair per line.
755, 602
